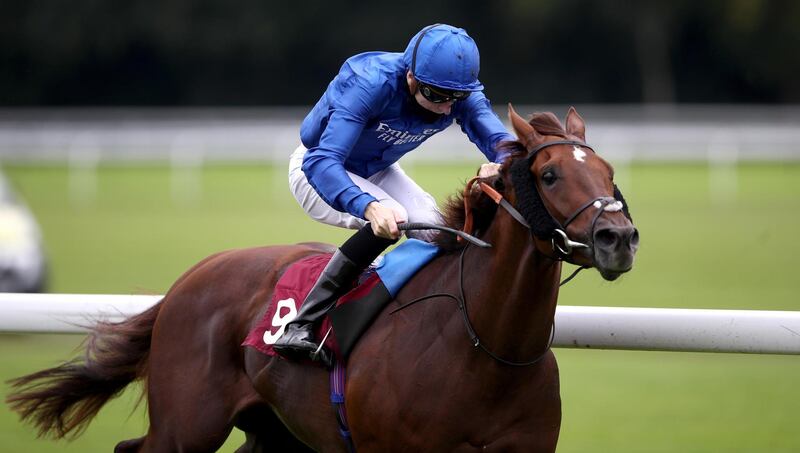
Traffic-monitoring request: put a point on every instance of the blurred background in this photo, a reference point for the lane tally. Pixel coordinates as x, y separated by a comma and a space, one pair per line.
200, 53
137, 138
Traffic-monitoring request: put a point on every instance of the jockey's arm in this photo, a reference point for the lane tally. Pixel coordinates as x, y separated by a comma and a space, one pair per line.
383, 220
323, 165
488, 170
484, 129
324, 168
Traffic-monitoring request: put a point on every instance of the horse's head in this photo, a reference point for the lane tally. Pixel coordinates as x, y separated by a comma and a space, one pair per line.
566, 193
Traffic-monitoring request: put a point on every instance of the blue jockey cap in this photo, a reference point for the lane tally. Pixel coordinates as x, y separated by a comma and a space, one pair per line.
444, 56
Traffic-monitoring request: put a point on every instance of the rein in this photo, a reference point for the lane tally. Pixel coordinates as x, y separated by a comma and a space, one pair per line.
473, 335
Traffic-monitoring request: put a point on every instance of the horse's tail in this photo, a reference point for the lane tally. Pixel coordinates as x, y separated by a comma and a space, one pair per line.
63, 400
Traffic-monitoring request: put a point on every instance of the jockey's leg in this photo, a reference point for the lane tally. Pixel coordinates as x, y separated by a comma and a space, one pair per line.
297, 341
311, 202
321, 211
349, 260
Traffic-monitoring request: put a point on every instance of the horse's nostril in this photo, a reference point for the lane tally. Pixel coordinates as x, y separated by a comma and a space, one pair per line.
605, 238
612, 237
635, 238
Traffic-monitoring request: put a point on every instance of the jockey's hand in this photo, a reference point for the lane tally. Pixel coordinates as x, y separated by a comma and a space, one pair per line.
489, 170
383, 220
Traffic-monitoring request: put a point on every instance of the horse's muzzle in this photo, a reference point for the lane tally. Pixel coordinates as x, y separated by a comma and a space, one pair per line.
614, 249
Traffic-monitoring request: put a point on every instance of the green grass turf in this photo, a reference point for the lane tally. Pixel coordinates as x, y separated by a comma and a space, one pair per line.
703, 246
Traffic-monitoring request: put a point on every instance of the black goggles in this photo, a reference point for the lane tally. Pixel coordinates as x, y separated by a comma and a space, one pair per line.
440, 95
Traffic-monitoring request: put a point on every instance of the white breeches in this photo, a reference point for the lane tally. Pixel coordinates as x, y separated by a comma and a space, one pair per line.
391, 186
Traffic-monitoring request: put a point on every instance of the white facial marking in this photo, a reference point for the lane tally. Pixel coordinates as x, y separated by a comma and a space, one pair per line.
578, 153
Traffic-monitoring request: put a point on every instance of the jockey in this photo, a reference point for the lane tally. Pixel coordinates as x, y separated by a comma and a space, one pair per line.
379, 107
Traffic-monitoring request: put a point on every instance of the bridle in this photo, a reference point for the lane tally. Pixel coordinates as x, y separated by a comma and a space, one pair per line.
546, 226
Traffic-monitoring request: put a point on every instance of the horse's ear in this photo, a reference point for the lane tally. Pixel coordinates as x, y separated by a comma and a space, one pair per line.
525, 132
575, 124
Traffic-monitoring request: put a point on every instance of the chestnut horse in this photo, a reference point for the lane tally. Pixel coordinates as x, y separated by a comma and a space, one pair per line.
460, 361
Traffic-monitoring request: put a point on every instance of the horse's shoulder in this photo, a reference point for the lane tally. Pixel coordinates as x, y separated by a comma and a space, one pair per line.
439, 276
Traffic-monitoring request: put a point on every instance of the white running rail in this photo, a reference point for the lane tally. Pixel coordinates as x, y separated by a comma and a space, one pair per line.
658, 329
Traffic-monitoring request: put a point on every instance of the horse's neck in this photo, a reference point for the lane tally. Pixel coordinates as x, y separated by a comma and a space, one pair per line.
511, 291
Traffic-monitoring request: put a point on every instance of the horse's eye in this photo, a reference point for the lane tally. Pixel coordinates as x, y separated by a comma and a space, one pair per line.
549, 178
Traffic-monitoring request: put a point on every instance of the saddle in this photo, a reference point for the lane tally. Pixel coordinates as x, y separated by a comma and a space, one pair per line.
354, 312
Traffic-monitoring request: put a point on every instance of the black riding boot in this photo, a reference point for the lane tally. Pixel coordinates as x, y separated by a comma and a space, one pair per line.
297, 341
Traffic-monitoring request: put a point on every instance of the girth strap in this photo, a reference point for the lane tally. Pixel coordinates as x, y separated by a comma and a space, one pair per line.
337, 382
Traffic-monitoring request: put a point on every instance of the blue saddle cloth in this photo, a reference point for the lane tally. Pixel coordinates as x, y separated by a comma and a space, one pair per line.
399, 265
